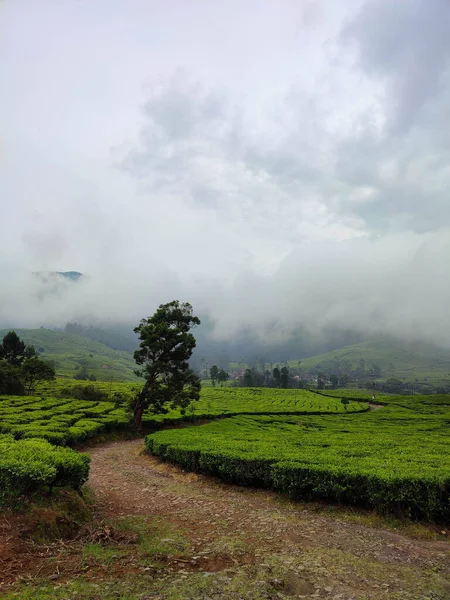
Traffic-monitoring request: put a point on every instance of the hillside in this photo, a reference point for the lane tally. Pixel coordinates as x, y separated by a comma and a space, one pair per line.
410, 361
70, 351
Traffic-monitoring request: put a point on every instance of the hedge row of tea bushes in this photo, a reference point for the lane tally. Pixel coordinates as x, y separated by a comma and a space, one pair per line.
59, 421
396, 459
64, 419
229, 402
29, 465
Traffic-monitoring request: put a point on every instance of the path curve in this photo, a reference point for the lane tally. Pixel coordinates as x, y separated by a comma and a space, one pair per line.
337, 554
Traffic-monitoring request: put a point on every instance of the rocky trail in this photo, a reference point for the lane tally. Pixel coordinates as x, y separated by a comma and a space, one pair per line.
213, 540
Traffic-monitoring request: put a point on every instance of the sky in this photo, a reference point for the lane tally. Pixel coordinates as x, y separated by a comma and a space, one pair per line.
269, 162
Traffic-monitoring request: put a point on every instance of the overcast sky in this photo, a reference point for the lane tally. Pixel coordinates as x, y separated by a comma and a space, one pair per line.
262, 159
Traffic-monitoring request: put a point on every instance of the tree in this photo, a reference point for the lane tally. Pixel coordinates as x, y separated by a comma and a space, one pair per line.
12, 349
284, 377
214, 372
334, 380
34, 370
20, 367
376, 370
393, 385
321, 381
81, 374
166, 345
276, 375
222, 376
10, 382
248, 378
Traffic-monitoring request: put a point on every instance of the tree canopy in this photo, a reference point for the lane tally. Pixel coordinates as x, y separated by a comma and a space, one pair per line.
214, 373
166, 345
20, 367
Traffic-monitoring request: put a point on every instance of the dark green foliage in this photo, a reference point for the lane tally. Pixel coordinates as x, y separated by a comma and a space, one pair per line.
321, 381
20, 368
393, 385
222, 376
33, 371
334, 380
284, 377
10, 382
248, 378
166, 345
277, 376
83, 392
81, 374
214, 373
12, 349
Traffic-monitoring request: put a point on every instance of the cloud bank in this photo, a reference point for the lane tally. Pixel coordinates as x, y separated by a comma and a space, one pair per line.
275, 166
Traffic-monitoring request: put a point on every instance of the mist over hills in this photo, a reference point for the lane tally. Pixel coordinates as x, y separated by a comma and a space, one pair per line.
104, 346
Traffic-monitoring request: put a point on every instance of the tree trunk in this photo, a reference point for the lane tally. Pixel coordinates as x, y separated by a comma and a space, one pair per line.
139, 407
137, 417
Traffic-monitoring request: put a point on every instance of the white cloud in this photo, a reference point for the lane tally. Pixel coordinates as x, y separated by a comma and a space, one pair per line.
265, 161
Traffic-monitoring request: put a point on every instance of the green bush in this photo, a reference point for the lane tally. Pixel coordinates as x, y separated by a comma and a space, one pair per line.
30, 465
83, 392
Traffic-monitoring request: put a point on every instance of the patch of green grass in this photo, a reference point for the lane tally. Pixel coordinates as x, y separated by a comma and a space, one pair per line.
101, 554
157, 539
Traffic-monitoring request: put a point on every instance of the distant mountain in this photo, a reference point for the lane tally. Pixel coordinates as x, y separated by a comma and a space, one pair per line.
71, 352
72, 275
52, 276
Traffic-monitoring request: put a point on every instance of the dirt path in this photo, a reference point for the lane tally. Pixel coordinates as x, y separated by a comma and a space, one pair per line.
261, 536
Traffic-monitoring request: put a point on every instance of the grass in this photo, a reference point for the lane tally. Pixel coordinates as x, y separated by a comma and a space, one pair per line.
157, 539
103, 555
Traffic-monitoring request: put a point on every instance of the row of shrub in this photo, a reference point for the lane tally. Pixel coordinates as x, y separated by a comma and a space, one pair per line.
59, 421
30, 465
415, 496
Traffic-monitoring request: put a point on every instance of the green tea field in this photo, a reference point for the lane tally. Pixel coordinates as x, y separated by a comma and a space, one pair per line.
159, 531
393, 459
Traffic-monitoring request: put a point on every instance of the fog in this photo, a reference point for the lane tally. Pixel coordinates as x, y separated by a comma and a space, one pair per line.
279, 166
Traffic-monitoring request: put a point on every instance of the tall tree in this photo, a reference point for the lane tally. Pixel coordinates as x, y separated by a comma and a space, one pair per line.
248, 378
222, 376
321, 381
284, 377
35, 370
334, 380
166, 346
20, 367
276, 375
214, 373
12, 349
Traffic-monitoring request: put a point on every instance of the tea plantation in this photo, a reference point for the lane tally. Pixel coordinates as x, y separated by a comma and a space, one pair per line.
306, 444
396, 459
32, 426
